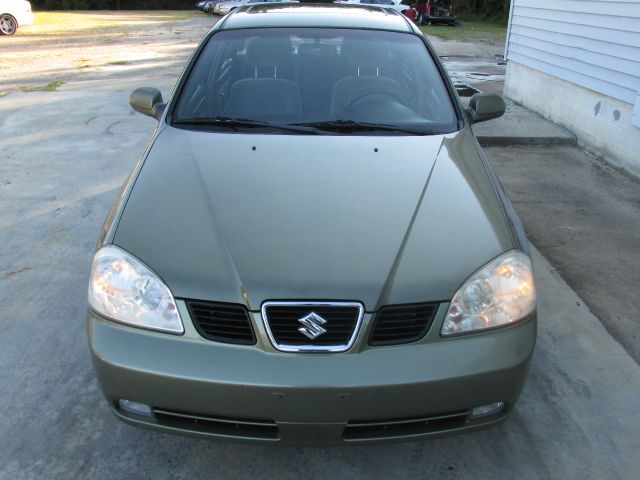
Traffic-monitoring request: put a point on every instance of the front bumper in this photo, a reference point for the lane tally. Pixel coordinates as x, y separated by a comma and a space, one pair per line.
252, 393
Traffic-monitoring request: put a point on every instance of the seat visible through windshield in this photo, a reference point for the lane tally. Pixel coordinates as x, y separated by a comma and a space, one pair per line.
310, 75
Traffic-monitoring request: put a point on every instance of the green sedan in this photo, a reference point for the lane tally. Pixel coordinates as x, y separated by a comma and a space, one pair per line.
313, 248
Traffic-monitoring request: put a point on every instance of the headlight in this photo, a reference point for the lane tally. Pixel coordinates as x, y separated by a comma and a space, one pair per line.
123, 289
499, 294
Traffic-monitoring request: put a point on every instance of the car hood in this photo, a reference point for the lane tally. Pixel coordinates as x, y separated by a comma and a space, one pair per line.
246, 218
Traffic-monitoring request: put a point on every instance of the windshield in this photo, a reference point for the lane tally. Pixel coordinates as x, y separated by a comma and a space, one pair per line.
327, 79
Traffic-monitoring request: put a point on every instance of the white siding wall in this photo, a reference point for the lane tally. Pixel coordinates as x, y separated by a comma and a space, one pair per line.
591, 43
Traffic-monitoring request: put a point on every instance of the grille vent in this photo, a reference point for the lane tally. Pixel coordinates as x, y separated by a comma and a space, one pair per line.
222, 322
396, 324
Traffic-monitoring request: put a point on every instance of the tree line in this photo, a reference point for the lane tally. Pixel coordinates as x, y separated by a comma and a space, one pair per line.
484, 8
480, 8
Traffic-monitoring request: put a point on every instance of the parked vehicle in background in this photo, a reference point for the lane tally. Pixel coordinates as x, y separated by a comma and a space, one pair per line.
14, 14
411, 13
201, 5
433, 11
222, 8
396, 5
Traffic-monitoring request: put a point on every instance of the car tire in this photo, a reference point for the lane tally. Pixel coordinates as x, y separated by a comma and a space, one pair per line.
8, 24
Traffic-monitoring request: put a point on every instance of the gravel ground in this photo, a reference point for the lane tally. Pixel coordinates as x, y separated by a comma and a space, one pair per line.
69, 47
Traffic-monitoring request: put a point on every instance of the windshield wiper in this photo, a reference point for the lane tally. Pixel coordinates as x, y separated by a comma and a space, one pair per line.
345, 125
239, 123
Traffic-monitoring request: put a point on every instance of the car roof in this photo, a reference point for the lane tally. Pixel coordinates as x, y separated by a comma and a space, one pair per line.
315, 15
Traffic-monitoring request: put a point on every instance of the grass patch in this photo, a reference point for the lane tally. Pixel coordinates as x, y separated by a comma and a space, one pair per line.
118, 62
49, 87
483, 18
488, 32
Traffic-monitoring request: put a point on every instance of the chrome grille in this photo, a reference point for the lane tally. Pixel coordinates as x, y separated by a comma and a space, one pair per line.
336, 325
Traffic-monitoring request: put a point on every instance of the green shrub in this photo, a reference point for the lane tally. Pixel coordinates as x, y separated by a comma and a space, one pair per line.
483, 9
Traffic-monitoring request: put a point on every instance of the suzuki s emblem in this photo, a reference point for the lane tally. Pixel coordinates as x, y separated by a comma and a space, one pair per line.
312, 325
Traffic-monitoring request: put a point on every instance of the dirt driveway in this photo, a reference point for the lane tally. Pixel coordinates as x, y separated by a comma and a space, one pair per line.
63, 47
67, 47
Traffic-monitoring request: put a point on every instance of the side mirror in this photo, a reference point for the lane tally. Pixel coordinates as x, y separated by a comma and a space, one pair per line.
148, 101
485, 106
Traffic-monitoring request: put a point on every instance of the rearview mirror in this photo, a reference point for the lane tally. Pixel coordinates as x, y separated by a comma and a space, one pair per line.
148, 101
485, 106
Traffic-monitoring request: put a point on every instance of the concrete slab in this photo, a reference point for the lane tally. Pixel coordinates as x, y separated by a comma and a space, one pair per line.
521, 126
585, 217
64, 155
481, 67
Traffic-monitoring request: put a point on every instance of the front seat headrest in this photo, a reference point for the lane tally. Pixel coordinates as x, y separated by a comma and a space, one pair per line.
363, 54
268, 51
